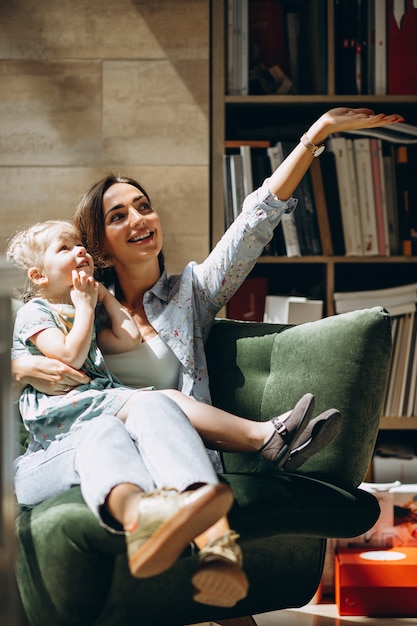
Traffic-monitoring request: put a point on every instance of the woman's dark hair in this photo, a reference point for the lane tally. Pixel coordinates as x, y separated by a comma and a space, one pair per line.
89, 218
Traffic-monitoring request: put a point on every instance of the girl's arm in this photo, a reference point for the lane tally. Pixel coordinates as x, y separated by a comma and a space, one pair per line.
123, 335
72, 348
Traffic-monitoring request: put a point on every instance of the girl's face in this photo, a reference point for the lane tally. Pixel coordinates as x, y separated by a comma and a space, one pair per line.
63, 255
131, 226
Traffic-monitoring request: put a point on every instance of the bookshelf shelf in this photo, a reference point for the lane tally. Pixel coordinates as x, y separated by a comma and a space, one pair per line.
398, 423
252, 117
324, 100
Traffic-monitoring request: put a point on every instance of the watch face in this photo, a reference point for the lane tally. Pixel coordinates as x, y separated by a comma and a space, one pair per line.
319, 151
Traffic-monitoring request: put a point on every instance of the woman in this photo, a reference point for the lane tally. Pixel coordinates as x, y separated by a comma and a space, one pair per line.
174, 314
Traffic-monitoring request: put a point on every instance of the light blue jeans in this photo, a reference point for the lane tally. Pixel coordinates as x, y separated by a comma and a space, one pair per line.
156, 447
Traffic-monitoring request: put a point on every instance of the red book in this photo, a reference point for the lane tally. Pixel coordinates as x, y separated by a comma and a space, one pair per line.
248, 303
402, 48
267, 33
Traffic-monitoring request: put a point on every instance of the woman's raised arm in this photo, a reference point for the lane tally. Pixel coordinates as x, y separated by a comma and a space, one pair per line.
287, 176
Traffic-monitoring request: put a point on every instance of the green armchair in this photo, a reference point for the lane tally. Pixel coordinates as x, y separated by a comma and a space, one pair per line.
71, 572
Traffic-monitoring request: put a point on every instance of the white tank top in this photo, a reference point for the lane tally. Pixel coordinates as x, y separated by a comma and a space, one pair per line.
151, 363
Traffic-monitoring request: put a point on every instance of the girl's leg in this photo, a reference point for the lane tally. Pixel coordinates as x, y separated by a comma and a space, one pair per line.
223, 430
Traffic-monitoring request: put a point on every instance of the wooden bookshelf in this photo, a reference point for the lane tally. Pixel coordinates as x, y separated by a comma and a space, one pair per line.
299, 111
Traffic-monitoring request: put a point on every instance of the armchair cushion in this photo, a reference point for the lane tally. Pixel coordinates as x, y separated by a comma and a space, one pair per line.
343, 360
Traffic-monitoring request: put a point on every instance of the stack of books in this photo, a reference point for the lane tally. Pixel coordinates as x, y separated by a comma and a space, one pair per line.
401, 395
281, 47
359, 198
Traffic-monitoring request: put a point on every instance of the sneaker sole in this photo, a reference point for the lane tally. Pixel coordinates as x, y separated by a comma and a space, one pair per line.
161, 551
220, 584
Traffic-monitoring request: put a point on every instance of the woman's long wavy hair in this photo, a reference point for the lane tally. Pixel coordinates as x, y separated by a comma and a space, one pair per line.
89, 220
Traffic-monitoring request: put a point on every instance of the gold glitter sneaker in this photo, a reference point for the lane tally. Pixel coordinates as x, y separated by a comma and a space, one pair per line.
219, 579
168, 521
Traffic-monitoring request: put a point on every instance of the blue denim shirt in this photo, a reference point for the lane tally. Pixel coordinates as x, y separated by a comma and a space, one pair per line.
182, 307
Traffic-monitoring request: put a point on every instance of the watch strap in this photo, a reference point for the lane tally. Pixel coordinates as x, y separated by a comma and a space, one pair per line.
315, 150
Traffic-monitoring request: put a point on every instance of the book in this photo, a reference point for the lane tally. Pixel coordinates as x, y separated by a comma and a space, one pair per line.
321, 207
402, 187
402, 47
236, 181
227, 192
399, 132
248, 302
411, 375
237, 47
344, 47
370, 48
412, 195
388, 158
364, 177
293, 38
389, 298
380, 63
313, 46
288, 223
267, 34
380, 199
331, 191
361, 46
292, 310
255, 160
343, 152
404, 347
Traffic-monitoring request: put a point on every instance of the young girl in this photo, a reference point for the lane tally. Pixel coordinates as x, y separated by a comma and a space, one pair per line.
58, 320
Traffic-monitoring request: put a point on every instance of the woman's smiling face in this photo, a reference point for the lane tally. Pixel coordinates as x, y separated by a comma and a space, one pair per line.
132, 227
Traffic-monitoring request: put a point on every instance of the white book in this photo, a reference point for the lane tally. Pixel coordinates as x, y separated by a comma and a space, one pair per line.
364, 177
245, 152
411, 375
236, 176
276, 155
289, 227
346, 181
404, 351
409, 289
237, 47
395, 358
380, 196
400, 132
292, 310
380, 67
394, 308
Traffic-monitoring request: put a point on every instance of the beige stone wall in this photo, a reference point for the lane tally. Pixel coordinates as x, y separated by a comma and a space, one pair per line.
91, 86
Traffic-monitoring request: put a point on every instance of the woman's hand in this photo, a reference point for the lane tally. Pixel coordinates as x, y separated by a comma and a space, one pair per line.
285, 179
48, 376
344, 118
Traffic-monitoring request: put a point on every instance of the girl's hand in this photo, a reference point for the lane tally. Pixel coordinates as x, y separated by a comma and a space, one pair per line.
85, 289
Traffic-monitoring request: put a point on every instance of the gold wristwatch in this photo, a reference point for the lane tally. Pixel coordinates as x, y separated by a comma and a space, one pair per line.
315, 150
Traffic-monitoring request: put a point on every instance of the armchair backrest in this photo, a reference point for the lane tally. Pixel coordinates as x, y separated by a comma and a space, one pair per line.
260, 370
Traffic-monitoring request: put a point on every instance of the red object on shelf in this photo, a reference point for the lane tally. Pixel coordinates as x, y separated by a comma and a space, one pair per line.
376, 582
402, 49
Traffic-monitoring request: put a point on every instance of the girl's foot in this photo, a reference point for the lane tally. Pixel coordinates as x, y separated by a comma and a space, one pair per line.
278, 448
168, 521
317, 435
219, 579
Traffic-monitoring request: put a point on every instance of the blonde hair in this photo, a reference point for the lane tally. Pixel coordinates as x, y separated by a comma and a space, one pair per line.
27, 248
